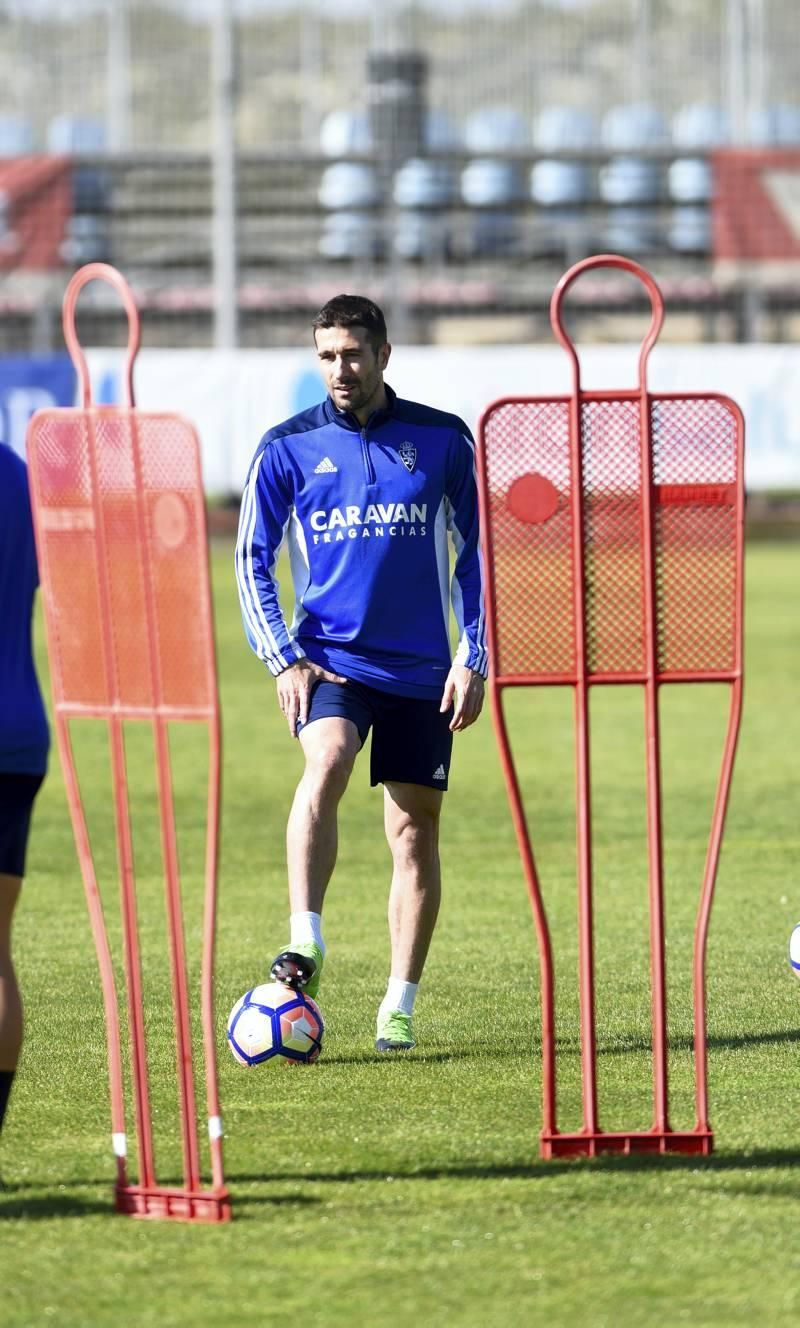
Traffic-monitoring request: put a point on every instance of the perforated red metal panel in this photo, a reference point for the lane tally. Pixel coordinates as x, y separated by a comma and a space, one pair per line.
697, 460
696, 479
119, 501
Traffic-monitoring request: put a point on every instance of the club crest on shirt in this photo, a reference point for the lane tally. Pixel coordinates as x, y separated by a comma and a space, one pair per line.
408, 455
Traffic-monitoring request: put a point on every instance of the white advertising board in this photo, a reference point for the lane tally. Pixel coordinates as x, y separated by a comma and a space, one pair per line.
233, 397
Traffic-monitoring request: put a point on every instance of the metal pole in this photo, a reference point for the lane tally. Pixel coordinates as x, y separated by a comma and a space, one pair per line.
118, 76
736, 64
223, 81
756, 50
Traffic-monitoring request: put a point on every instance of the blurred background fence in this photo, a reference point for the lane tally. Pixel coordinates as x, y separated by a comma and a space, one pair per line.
241, 160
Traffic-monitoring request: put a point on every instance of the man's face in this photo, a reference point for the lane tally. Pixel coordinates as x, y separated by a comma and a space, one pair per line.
352, 368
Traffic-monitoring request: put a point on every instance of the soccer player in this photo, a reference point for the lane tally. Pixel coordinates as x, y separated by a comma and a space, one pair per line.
365, 488
24, 736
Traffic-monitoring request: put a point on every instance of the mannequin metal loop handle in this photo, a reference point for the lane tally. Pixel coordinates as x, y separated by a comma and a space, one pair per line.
626, 265
100, 272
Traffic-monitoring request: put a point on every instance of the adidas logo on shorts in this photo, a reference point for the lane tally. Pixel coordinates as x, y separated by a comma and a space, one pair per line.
326, 467
441, 773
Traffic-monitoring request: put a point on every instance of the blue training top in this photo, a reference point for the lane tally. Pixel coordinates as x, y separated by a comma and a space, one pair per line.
366, 513
24, 736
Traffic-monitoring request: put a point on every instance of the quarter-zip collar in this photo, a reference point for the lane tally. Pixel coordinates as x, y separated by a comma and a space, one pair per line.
347, 420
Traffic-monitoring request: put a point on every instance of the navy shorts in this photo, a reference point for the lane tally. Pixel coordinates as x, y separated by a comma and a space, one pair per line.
411, 740
17, 794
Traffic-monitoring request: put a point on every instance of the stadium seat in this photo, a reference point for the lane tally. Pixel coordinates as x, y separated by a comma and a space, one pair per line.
420, 183
489, 182
420, 236
690, 180
560, 183
626, 180
421, 188
350, 191
495, 129
637, 125
700, 126
16, 136
73, 134
350, 236
88, 240
441, 132
348, 185
565, 129
689, 230
345, 133
777, 125
631, 230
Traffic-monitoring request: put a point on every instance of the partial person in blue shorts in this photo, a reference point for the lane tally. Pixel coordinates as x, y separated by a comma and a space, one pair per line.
24, 736
368, 492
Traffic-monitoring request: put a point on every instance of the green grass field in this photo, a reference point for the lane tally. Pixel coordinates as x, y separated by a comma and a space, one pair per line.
388, 1193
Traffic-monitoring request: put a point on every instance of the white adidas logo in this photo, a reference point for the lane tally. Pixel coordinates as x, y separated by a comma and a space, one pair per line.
326, 467
440, 773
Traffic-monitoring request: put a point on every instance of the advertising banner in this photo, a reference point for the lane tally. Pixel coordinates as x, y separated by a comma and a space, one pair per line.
233, 397
29, 383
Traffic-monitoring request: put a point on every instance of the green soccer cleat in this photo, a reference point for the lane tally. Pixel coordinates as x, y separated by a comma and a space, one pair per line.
394, 1032
299, 967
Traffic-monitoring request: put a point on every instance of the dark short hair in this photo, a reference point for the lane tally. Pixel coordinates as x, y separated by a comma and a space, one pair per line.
353, 311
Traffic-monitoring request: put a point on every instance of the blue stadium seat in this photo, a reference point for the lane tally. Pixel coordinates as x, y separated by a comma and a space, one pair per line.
348, 185
565, 129
700, 126
441, 132
421, 235
689, 230
626, 180
777, 126
345, 133
74, 134
632, 230
88, 240
349, 236
495, 129
16, 136
420, 183
636, 125
489, 182
560, 183
690, 180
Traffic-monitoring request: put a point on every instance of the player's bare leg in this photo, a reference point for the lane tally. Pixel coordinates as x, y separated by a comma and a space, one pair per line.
330, 746
411, 820
10, 999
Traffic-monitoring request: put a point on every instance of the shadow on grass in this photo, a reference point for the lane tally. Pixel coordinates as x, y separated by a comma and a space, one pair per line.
34, 1207
415, 1057
642, 1043
536, 1169
21, 1201
31, 1207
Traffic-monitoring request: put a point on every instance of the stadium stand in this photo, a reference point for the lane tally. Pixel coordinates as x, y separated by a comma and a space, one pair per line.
479, 151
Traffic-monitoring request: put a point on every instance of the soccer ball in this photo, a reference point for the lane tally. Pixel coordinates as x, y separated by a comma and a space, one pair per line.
274, 1023
794, 950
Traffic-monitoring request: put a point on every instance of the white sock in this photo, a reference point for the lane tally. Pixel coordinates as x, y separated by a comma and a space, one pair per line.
305, 927
400, 995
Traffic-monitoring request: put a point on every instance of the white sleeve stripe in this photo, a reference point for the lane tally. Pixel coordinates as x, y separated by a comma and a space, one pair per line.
243, 567
458, 545
248, 593
443, 562
241, 583
301, 574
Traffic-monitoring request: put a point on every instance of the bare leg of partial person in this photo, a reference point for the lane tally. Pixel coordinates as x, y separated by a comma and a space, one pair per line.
10, 1000
411, 820
330, 747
